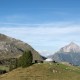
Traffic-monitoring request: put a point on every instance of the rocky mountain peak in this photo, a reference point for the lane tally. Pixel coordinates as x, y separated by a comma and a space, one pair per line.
72, 47
69, 53
73, 44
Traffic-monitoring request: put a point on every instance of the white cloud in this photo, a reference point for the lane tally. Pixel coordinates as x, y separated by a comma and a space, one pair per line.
48, 38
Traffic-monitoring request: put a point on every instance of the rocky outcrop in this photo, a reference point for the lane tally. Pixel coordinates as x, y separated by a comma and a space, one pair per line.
13, 48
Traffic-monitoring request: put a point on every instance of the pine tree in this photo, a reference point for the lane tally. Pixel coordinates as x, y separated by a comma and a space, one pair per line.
26, 59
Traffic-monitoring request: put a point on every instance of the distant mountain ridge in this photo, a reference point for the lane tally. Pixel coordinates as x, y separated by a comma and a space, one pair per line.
72, 47
13, 48
69, 53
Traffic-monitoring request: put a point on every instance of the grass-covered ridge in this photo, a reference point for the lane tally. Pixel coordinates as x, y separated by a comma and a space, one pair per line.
44, 71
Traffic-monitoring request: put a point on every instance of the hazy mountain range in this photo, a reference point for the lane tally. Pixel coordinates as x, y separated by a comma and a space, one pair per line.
69, 53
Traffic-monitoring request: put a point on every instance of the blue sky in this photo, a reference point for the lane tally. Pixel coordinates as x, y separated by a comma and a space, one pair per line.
46, 25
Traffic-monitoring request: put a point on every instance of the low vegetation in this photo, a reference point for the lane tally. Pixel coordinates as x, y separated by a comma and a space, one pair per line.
24, 61
4, 67
10, 64
44, 71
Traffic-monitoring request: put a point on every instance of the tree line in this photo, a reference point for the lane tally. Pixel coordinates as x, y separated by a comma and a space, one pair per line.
24, 61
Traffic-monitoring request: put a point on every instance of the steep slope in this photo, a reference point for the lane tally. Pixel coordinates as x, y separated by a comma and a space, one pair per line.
12, 48
69, 53
44, 71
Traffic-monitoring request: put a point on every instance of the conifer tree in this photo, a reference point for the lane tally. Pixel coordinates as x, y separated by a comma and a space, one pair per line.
26, 59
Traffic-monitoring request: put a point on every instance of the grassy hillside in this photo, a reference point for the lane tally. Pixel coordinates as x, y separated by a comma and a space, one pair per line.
44, 71
4, 67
